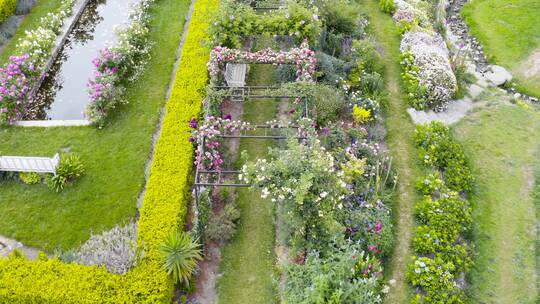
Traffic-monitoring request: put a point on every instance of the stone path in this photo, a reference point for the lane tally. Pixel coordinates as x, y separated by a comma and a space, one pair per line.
7, 246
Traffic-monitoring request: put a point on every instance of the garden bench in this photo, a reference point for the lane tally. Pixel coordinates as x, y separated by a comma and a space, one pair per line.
29, 164
235, 74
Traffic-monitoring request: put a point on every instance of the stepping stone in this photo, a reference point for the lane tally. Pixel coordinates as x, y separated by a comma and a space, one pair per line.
475, 90
498, 75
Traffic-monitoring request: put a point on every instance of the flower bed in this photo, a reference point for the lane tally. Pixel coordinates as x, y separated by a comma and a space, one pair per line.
444, 217
118, 64
428, 75
164, 206
435, 74
20, 75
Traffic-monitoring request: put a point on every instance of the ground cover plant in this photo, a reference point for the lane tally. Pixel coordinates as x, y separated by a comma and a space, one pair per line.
508, 36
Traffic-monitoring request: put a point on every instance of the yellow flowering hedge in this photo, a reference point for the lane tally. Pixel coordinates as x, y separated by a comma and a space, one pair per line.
7, 9
164, 207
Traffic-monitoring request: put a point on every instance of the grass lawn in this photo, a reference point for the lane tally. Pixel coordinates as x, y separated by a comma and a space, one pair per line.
509, 31
31, 21
400, 141
248, 261
502, 143
114, 157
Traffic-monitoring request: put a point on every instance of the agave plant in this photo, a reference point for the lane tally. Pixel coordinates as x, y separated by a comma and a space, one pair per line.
180, 253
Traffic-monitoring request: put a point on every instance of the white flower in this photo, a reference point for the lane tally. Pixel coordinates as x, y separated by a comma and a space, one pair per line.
324, 194
265, 193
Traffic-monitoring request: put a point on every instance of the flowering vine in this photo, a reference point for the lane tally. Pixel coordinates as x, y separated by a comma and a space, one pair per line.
303, 57
207, 137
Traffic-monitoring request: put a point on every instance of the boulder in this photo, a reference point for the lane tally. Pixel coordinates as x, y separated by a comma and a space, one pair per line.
498, 75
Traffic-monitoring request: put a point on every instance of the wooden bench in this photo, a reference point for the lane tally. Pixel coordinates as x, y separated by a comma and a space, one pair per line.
29, 164
235, 74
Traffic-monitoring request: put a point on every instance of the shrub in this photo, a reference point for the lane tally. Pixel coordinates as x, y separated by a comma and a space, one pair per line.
30, 178
69, 169
436, 280
387, 6
115, 249
7, 9
437, 148
179, 256
222, 226
327, 104
340, 17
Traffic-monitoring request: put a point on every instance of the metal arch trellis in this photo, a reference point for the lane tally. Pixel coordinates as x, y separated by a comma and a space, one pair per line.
219, 174
240, 94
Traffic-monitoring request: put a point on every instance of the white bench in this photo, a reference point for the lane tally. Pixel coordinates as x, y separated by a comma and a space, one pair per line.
235, 74
29, 164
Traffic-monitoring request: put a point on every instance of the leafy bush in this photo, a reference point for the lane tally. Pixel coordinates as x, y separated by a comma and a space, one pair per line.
179, 256
387, 6
436, 280
347, 276
24, 6
30, 178
115, 249
341, 17
69, 169
437, 148
327, 104
222, 226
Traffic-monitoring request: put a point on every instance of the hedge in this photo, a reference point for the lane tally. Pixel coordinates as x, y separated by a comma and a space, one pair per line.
164, 207
7, 9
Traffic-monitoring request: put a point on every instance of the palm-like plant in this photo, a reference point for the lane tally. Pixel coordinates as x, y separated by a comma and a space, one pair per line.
180, 254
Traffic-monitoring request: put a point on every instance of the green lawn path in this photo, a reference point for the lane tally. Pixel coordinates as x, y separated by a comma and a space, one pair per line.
114, 157
502, 144
400, 141
248, 261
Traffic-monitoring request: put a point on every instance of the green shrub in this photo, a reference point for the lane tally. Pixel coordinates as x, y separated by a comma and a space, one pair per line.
7, 9
30, 178
179, 256
222, 226
340, 17
387, 6
437, 148
69, 169
326, 103
436, 280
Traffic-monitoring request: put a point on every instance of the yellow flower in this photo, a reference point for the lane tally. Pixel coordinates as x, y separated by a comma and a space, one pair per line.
361, 115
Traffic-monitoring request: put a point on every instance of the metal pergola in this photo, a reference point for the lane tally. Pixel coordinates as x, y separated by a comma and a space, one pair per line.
217, 179
241, 94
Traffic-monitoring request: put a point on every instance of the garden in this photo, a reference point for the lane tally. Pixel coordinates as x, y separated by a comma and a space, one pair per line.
233, 151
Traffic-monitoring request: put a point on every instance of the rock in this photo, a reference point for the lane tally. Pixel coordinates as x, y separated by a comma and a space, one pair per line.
517, 95
475, 90
498, 75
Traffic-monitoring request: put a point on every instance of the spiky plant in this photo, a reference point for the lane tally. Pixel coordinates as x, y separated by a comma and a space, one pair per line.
180, 253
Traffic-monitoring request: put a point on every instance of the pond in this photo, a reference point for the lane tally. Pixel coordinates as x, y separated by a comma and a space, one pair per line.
63, 94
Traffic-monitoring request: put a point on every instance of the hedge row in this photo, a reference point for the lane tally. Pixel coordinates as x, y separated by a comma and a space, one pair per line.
7, 9
164, 207
443, 217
